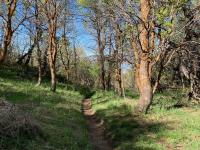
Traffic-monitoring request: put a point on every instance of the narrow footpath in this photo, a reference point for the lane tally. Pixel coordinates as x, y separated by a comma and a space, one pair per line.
96, 127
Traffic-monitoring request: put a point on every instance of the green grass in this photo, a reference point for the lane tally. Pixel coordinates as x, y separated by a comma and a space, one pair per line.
64, 127
162, 128
58, 114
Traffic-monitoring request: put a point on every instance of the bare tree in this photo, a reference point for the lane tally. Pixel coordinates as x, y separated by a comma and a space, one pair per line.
10, 25
53, 10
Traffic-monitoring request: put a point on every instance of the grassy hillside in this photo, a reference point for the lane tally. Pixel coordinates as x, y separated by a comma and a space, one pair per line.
63, 126
58, 114
164, 128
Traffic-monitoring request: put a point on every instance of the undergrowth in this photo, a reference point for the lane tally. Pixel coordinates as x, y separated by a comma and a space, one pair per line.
162, 128
58, 114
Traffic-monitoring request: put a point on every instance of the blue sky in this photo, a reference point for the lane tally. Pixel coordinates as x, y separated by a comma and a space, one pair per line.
84, 38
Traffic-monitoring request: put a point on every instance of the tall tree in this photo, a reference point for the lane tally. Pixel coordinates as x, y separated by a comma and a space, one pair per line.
143, 66
8, 13
53, 10
97, 22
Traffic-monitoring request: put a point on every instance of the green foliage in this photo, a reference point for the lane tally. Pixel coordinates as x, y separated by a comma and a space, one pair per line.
166, 15
163, 13
86, 3
94, 70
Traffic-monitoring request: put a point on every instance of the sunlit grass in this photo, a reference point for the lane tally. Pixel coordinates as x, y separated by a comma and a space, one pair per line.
162, 128
58, 114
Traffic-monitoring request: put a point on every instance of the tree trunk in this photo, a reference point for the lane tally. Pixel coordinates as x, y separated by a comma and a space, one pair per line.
8, 30
52, 66
102, 73
52, 54
118, 40
157, 83
66, 66
39, 65
101, 63
101, 47
75, 62
28, 55
28, 58
37, 39
53, 78
7, 41
119, 80
143, 66
66, 61
44, 62
108, 82
144, 85
39, 75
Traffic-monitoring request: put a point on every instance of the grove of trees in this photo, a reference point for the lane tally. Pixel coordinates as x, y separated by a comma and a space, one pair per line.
139, 45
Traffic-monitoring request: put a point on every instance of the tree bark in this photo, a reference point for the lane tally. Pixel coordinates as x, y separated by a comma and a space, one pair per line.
101, 61
118, 41
52, 53
53, 77
102, 72
118, 77
143, 69
38, 36
144, 85
39, 65
44, 62
8, 30
7, 40
157, 83
52, 65
160, 71
108, 82
75, 62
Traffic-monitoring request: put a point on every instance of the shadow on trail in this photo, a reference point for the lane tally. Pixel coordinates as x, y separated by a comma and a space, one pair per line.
131, 133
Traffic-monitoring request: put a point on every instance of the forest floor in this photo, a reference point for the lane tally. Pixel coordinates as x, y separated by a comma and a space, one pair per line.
64, 126
96, 127
164, 128
59, 115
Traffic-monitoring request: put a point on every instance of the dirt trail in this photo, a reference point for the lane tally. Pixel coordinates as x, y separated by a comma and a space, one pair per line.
96, 127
